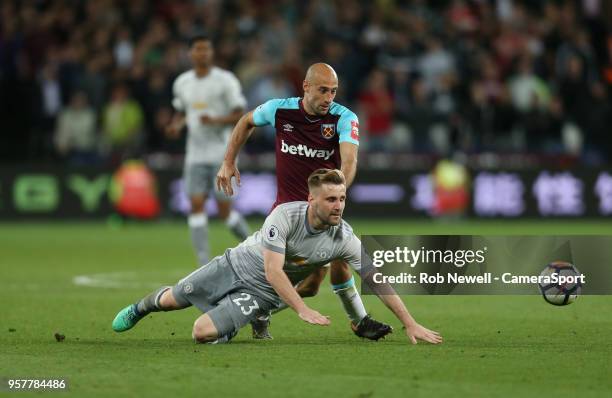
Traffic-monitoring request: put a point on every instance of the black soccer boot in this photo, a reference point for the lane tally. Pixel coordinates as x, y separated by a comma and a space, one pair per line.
371, 329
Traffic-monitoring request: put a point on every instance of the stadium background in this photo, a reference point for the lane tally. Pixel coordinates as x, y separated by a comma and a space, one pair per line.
477, 117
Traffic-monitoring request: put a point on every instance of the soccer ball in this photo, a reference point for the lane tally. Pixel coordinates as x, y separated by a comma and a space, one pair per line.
560, 283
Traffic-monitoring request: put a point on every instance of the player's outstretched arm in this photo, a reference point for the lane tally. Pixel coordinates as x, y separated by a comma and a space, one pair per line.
273, 265
228, 170
362, 262
414, 331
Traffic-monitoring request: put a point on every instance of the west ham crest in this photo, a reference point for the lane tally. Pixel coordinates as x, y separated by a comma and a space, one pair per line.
328, 131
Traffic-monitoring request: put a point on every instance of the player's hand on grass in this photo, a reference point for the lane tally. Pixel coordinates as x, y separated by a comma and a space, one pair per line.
419, 332
313, 317
224, 178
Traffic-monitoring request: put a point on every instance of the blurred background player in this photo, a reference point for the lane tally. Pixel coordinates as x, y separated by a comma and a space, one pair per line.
208, 100
261, 273
312, 132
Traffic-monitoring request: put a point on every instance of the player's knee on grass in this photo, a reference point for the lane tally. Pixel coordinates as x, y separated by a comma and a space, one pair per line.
204, 330
224, 320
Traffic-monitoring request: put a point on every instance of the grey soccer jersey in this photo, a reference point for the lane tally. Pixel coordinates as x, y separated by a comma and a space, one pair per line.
286, 230
216, 94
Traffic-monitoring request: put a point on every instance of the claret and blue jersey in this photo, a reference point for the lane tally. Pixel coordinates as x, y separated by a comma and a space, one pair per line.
305, 142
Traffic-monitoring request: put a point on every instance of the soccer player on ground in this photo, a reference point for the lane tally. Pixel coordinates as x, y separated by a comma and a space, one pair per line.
297, 238
208, 100
311, 133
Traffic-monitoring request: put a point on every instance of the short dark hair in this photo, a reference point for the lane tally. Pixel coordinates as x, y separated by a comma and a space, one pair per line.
199, 37
325, 176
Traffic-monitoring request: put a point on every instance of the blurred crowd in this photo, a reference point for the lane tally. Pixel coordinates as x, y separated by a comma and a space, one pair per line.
89, 82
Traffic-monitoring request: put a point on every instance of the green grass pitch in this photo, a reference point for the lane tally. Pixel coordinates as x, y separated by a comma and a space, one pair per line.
515, 346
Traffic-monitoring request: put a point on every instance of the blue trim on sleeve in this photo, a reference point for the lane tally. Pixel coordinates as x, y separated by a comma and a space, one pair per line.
349, 283
264, 114
344, 123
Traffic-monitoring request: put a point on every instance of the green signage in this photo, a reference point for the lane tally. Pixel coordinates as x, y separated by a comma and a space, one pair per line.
36, 193
90, 192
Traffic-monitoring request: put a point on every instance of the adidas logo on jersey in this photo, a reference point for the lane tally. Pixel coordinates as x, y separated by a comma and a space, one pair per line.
303, 150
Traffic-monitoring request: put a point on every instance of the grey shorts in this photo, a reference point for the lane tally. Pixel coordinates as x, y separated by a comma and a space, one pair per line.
215, 289
200, 179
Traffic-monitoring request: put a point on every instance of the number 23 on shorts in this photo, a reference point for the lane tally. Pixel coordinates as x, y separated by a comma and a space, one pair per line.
243, 303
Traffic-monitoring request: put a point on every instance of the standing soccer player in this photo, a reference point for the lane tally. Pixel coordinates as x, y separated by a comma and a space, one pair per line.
208, 100
312, 132
297, 238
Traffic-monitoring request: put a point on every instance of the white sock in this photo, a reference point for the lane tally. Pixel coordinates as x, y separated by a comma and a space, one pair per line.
351, 300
